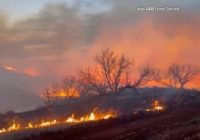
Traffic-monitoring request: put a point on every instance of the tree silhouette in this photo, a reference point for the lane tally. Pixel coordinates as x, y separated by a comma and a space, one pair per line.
177, 76
146, 74
114, 68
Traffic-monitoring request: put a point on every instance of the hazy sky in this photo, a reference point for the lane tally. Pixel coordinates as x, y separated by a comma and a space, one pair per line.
44, 40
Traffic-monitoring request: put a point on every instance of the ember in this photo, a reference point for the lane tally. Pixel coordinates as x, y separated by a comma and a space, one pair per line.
93, 116
156, 106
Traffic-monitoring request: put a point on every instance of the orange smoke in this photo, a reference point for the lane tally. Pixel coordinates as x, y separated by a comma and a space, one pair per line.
31, 72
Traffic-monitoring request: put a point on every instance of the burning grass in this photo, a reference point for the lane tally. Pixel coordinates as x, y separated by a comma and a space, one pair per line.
175, 124
156, 106
93, 116
73, 119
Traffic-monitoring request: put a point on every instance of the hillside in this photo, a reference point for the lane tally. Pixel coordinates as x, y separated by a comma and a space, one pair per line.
180, 119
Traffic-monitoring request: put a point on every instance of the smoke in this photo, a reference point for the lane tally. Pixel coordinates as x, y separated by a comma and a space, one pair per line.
59, 34
155, 38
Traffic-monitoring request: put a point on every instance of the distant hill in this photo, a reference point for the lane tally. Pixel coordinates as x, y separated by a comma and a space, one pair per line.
17, 86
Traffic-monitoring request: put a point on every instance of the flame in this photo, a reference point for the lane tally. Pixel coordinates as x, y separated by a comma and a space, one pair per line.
156, 106
30, 125
93, 116
71, 119
3, 130
14, 126
71, 93
46, 123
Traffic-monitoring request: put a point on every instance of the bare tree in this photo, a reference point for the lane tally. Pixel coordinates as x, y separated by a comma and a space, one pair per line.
146, 74
166, 79
92, 80
49, 99
183, 73
70, 88
114, 67
55, 89
178, 76
126, 80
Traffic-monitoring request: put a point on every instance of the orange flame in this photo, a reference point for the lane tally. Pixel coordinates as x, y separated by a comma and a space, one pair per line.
93, 116
156, 106
71, 93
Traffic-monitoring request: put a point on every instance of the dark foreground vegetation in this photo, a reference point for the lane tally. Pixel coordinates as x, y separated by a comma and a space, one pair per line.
177, 124
180, 121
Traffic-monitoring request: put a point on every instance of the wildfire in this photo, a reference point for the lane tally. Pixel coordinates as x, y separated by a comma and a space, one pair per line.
71, 93
93, 116
156, 106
